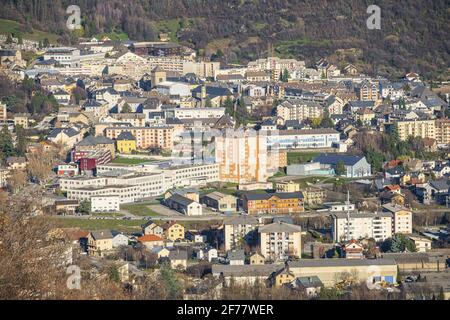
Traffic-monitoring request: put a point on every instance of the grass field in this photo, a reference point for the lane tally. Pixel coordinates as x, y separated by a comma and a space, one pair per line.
140, 209
15, 28
130, 161
109, 224
301, 157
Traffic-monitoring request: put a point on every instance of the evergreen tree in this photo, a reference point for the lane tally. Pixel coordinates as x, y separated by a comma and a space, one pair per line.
6, 144
21, 145
285, 76
340, 168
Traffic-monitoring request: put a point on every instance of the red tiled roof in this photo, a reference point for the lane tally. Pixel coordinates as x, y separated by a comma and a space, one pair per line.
150, 238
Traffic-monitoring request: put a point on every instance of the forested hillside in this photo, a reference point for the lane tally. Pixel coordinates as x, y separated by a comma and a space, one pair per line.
414, 34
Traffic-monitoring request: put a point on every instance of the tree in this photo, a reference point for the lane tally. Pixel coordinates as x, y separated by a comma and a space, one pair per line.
40, 165
84, 207
126, 108
21, 141
229, 106
46, 43
6, 144
285, 76
9, 39
340, 168
398, 243
17, 179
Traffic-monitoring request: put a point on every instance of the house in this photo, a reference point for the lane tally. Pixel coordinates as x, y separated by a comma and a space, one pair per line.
66, 206
354, 250
21, 119
119, 239
280, 240
273, 203
211, 254
311, 286
195, 236
257, 259
422, 244
236, 257
220, 201
151, 240
313, 196
184, 205
161, 252
178, 259
353, 166
282, 277
16, 163
245, 274
65, 136
287, 187
100, 242
126, 142
173, 231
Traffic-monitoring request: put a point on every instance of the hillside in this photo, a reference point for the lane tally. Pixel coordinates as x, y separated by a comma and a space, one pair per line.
414, 34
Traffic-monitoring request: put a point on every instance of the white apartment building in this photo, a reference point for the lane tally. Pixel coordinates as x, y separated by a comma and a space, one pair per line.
130, 184
63, 55
280, 240
239, 229
199, 113
276, 66
105, 203
357, 225
290, 110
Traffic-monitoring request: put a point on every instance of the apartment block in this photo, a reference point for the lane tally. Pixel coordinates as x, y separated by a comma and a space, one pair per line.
238, 230
290, 110
146, 137
356, 225
280, 240
273, 203
416, 128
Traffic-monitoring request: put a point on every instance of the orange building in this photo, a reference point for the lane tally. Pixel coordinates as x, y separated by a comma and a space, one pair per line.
273, 203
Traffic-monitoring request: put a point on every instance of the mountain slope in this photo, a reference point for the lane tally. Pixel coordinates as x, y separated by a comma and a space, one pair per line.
414, 34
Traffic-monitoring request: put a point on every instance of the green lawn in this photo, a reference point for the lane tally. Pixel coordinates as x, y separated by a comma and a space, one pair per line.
13, 27
100, 224
122, 160
301, 157
140, 209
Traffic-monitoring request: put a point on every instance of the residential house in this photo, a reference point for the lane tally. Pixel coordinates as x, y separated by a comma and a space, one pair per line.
100, 242
151, 240
126, 142
354, 166
178, 259
184, 205
173, 231
236, 257
220, 201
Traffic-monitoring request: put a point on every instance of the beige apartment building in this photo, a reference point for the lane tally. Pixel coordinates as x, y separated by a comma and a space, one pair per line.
280, 240
402, 218
146, 137
416, 128
242, 157
443, 131
301, 111
100, 242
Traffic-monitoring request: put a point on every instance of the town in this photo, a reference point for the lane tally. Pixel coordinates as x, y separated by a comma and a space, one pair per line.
154, 163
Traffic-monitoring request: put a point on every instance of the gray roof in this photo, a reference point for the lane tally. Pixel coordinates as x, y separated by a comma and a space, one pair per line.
236, 255
394, 208
241, 220
93, 141
246, 270
178, 198
178, 255
407, 257
355, 214
333, 159
216, 195
441, 184
125, 135
280, 227
309, 282
102, 234
67, 131
305, 263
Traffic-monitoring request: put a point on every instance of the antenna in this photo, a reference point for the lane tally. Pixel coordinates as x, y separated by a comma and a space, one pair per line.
348, 215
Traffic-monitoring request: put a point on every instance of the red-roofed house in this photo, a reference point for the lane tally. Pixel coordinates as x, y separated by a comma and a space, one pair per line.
151, 240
